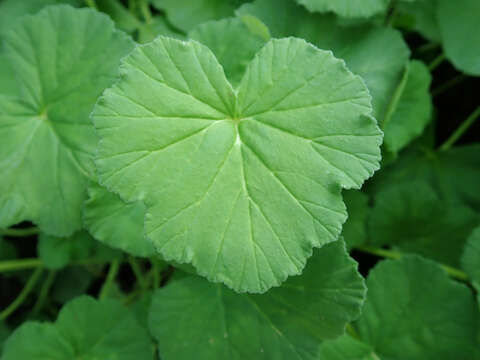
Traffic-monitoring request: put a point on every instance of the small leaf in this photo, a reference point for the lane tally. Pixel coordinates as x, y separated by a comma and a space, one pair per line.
49, 141
86, 329
232, 41
194, 319
414, 311
411, 108
471, 260
347, 8
355, 228
185, 14
458, 23
116, 223
216, 170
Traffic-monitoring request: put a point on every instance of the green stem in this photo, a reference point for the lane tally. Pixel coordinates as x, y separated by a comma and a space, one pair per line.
42, 297
138, 272
31, 263
20, 232
145, 9
23, 294
91, 4
393, 104
392, 254
436, 62
428, 47
460, 130
112, 274
447, 85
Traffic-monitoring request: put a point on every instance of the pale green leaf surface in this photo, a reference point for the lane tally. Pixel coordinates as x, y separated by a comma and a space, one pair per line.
214, 166
458, 23
86, 329
414, 218
57, 252
345, 348
192, 318
471, 259
355, 228
415, 311
232, 41
116, 223
347, 8
7, 77
45, 158
378, 55
411, 110
186, 14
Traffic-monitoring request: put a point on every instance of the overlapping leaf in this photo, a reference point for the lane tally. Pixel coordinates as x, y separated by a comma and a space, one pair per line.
413, 311
192, 318
86, 329
63, 58
216, 168
347, 8
471, 260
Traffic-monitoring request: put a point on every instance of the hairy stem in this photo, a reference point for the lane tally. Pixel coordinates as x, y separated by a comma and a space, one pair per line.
20, 232
392, 254
460, 130
23, 294
436, 62
42, 297
145, 9
112, 274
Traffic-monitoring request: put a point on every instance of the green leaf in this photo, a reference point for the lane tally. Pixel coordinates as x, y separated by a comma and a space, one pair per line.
214, 166
378, 55
49, 141
194, 319
414, 311
116, 223
124, 19
347, 8
471, 259
86, 329
346, 348
453, 174
12, 10
233, 42
58, 252
355, 230
410, 109
7, 77
414, 218
185, 14
4, 334
71, 282
424, 17
458, 23
158, 26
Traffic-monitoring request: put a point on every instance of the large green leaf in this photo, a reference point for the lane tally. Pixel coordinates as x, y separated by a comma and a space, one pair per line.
410, 110
458, 23
234, 41
64, 58
423, 15
347, 8
471, 259
194, 319
86, 329
414, 218
346, 348
186, 14
378, 55
414, 311
116, 223
242, 183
